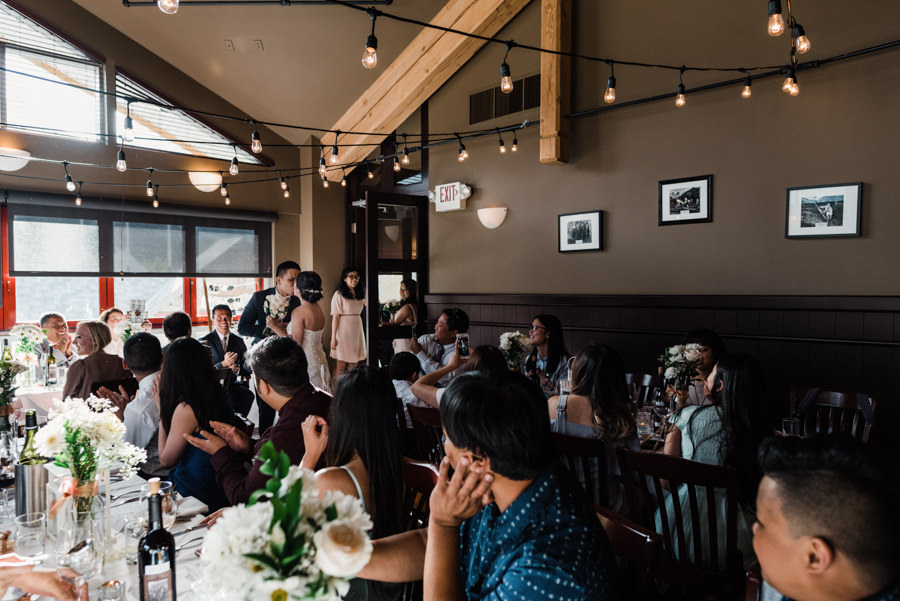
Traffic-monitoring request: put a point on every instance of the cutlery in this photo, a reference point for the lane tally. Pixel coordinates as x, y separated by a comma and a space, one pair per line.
120, 503
191, 529
188, 542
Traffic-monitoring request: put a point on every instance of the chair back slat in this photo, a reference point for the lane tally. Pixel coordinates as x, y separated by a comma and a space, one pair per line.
712, 522
428, 433
834, 411
419, 478
641, 387
585, 458
635, 548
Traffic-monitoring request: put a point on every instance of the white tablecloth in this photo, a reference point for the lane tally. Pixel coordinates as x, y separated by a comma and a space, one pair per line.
37, 397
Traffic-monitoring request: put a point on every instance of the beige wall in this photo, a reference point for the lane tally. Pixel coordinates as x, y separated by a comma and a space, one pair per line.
841, 128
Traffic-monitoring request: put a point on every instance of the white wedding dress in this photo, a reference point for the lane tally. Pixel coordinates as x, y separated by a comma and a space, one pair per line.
319, 374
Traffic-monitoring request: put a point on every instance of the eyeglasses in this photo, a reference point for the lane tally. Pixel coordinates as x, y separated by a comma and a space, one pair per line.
352, 277
533, 328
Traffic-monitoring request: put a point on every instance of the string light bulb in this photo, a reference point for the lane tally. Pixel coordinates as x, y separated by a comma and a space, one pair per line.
281, 182
405, 158
800, 39
227, 200
78, 198
234, 169
462, 153
255, 142
610, 96
369, 173
679, 96
502, 146
128, 130
322, 160
224, 189
335, 151
170, 7
788, 84
370, 56
396, 165
324, 182
795, 87
150, 182
515, 146
156, 198
343, 180
70, 185
121, 165
287, 192
506, 82
776, 20
745, 93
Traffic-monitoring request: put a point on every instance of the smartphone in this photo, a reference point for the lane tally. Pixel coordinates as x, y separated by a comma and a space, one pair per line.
413, 330
462, 345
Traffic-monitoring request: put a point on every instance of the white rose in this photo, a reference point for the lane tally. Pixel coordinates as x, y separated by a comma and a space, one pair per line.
692, 355
671, 373
341, 549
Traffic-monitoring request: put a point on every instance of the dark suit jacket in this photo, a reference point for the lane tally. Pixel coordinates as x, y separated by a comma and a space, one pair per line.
235, 345
253, 318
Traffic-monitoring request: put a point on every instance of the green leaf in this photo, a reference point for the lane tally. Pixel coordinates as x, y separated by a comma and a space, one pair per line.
256, 496
284, 464
263, 559
331, 512
273, 485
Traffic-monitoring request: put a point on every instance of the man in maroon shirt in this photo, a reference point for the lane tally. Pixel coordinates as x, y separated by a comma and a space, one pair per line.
279, 370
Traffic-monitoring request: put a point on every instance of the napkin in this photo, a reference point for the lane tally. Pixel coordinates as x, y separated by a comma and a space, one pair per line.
189, 507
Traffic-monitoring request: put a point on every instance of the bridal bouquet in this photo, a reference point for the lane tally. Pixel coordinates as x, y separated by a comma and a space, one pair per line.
680, 364
276, 307
295, 546
513, 345
124, 330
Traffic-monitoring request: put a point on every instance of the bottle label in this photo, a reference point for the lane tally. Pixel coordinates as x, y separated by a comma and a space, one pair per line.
158, 582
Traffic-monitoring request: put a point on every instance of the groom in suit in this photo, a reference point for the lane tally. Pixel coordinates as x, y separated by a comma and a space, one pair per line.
227, 350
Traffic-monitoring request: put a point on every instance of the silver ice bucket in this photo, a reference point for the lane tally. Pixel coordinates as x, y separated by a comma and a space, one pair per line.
31, 488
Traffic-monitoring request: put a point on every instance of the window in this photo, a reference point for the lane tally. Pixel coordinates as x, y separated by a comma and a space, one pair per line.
171, 130
148, 248
76, 298
36, 63
161, 296
234, 292
227, 250
55, 244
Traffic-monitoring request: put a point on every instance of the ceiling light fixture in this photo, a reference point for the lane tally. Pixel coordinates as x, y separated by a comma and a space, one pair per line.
128, 132
255, 142
370, 56
149, 182
610, 96
776, 21
70, 185
78, 198
506, 83
121, 165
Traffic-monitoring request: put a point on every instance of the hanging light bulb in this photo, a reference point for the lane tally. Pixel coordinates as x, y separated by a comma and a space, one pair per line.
344, 181
224, 189
128, 132
405, 157
370, 56
506, 82
121, 165
156, 198
515, 146
149, 183
170, 7
396, 165
287, 192
282, 183
227, 200
70, 185
795, 87
502, 147
679, 96
788, 83
322, 160
776, 21
610, 96
335, 151
324, 182
255, 142
78, 196
800, 39
462, 154
369, 173
234, 169
745, 93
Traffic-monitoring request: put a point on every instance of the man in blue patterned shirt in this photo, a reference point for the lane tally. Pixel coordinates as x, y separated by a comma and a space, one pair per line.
510, 523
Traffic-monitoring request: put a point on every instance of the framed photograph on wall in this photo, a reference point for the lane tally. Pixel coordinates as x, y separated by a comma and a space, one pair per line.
823, 211
687, 200
581, 231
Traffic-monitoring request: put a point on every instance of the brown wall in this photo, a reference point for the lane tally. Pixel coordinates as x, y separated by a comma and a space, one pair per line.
841, 128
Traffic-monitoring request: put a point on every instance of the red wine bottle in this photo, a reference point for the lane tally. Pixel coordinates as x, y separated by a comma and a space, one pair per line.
156, 554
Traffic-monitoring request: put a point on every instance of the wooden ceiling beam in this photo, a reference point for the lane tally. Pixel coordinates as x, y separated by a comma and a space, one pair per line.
556, 74
417, 73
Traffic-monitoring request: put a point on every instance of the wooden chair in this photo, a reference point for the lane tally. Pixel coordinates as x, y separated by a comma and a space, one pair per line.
753, 587
833, 411
699, 566
428, 433
419, 478
585, 458
642, 387
635, 548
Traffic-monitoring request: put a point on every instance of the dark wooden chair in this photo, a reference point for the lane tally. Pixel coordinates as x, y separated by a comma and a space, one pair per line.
428, 433
833, 411
753, 587
699, 567
585, 458
636, 548
641, 387
419, 478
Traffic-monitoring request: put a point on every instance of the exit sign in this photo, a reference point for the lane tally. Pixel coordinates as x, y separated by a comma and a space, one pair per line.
451, 197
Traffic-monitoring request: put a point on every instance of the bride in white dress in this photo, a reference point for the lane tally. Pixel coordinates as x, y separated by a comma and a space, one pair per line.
306, 327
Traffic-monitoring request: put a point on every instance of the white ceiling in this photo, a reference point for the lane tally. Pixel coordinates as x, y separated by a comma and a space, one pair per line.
309, 70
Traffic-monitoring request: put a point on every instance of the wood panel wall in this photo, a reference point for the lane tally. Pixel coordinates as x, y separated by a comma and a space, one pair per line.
845, 342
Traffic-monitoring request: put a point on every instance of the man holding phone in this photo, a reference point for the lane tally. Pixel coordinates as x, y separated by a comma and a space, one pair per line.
434, 351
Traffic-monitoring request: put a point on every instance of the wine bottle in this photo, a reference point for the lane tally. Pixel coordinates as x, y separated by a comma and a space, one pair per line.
156, 554
29, 455
50, 371
7, 355
659, 400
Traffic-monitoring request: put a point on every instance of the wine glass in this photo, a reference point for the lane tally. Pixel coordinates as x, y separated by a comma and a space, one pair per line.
79, 552
31, 536
167, 500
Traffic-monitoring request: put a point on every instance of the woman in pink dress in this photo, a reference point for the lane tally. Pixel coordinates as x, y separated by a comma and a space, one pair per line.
348, 345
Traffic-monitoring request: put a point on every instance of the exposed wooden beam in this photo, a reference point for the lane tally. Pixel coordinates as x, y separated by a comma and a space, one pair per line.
556, 73
417, 73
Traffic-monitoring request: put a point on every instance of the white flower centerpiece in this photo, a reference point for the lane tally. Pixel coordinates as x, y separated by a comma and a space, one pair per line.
8, 372
29, 336
680, 363
295, 546
276, 307
513, 345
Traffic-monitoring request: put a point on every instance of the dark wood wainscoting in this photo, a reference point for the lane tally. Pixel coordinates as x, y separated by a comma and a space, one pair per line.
846, 343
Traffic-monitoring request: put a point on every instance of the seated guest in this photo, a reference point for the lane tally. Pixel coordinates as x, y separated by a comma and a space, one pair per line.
712, 348
548, 361
279, 369
434, 351
227, 350
599, 407
404, 371
728, 432
96, 365
189, 399
147, 325
362, 455
537, 538
176, 325
113, 317
56, 337
140, 414
827, 526
483, 358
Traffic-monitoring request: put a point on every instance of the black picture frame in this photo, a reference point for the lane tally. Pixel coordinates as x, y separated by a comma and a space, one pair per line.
685, 200
578, 232
829, 211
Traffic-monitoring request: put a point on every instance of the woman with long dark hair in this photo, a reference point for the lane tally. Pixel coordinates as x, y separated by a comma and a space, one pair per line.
362, 451
189, 398
598, 407
407, 314
728, 432
548, 361
711, 349
348, 345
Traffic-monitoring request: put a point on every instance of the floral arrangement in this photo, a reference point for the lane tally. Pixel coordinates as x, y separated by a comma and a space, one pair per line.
276, 307
680, 364
513, 345
295, 546
82, 433
391, 307
29, 335
8, 372
124, 330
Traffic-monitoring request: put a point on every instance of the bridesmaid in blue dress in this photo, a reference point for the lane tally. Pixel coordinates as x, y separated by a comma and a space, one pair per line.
189, 398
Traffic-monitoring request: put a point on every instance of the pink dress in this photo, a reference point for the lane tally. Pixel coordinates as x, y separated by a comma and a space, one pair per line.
351, 344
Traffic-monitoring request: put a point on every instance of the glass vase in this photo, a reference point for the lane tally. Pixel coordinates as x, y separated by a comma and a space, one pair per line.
80, 531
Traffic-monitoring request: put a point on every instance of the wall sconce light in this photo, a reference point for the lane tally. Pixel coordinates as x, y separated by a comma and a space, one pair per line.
205, 181
392, 232
13, 159
492, 217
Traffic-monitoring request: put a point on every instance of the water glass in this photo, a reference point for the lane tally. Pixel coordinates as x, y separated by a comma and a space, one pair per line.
167, 499
790, 426
31, 536
134, 530
644, 424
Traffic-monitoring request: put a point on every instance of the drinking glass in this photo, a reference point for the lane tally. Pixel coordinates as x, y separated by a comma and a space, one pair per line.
31, 536
790, 426
134, 530
644, 424
167, 498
